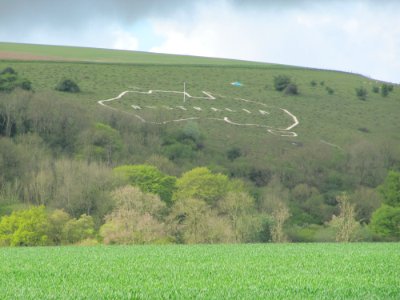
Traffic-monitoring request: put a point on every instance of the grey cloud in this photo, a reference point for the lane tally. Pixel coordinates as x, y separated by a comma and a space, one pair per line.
25, 14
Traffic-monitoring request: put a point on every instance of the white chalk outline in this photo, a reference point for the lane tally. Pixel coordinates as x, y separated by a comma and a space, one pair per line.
285, 132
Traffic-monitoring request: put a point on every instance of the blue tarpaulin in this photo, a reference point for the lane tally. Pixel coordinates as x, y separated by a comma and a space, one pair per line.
236, 83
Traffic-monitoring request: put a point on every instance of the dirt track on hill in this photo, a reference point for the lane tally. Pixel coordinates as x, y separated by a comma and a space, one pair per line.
6, 55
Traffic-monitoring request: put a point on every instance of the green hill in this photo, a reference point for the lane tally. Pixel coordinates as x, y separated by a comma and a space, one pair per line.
326, 137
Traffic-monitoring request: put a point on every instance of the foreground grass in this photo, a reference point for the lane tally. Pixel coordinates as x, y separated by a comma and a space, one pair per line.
293, 271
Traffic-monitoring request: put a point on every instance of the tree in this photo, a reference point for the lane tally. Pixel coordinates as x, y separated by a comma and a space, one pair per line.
345, 224
201, 184
390, 189
191, 221
102, 142
68, 86
57, 221
238, 208
136, 218
279, 216
76, 230
149, 179
25, 228
386, 222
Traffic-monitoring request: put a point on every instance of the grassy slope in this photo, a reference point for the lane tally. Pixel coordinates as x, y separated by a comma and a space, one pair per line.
113, 56
334, 118
350, 271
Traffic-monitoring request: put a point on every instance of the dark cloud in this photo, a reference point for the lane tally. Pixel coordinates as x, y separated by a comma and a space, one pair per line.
25, 14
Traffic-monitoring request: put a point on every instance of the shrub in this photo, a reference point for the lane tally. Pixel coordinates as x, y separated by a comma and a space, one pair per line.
68, 86
375, 89
9, 81
361, 93
233, 153
322, 83
8, 70
313, 83
291, 89
281, 82
330, 90
384, 90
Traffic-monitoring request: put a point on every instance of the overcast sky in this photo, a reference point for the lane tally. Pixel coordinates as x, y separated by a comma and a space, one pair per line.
361, 36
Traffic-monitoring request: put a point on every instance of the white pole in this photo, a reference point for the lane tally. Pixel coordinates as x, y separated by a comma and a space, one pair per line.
184, 92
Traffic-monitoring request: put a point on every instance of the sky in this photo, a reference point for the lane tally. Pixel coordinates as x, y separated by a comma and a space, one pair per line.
360, 36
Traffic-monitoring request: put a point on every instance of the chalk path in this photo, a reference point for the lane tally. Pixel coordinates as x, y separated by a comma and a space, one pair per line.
285, 132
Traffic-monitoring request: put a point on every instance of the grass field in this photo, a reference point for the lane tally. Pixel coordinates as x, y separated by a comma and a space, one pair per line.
301, 271
45, 52
333, 118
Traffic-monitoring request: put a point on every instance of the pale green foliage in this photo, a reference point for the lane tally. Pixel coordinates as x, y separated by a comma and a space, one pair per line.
76, 230
192, 221
136, 218
279, 216
201, 184
345, 223
238, 207
24, 228
57, 221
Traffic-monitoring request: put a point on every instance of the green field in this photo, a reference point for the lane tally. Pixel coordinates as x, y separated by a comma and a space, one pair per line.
333, 118
111, 56
302, 271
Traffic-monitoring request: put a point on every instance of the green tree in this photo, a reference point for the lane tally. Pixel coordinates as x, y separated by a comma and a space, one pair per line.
103, 143
390, 189
76, 230
386, 222
201, 184
149, 179
25, 228
57, 221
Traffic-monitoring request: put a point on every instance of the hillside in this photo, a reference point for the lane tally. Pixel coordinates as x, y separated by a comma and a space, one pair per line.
325, 138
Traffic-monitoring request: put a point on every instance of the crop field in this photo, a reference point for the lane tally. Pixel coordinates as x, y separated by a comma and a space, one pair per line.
261, 271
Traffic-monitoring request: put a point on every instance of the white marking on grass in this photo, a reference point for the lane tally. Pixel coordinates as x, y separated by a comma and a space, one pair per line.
330, 144
197, 108
276, 131
245, 110
136, 107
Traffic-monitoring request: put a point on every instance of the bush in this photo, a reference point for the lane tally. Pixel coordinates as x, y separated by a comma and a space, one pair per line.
233, 153
313, 83
330, 90
68, 86
375, 89
281, 82
384, 90
8, 70
291, 89
361, 93
9, 81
